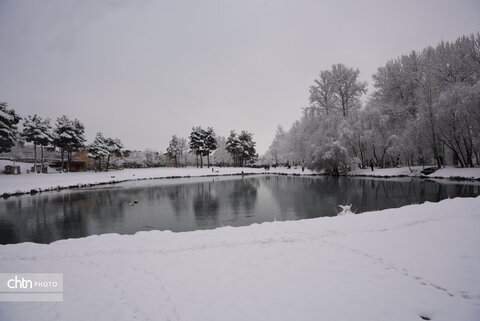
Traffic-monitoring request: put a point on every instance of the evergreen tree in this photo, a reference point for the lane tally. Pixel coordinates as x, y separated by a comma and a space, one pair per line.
69, 137
37, 131
8, 127
241, 147
211, 143
197, 143
233, 146
248, 152
114, 147
98, 149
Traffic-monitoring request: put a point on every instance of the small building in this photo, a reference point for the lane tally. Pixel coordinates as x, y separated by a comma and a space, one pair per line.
75, 166
39, 169
13, 170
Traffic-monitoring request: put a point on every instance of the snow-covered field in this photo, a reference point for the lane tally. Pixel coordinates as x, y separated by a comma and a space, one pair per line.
25, 182
398, 264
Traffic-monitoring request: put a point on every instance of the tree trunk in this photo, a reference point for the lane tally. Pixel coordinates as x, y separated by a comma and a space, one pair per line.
409, 167
63, 158
208, 160
41, 164
108, 163
436, 154
35, 155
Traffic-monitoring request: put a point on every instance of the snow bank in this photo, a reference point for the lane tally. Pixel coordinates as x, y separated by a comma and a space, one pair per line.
473, 173
448, 172
25, 182
397, 264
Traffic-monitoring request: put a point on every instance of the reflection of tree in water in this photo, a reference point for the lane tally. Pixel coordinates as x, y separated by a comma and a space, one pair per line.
205, 205
303, 197
378, 194
42, 229
48, 217
8, 233
40, 218
107, 207
243, 195
308, 197
179, 196
71, 220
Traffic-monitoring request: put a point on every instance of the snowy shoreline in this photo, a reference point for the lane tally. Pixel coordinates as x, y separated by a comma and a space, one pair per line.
452, 173
15, 185
396, 264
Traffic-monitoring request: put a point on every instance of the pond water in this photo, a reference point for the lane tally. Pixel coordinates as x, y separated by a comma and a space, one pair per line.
206, 203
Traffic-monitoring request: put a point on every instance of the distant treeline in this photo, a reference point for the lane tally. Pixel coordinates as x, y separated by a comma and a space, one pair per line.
69, 137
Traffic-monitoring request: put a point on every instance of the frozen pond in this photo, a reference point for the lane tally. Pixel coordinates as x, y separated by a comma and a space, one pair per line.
206, 203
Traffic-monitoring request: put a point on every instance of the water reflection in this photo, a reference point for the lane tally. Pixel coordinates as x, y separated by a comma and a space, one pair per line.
205, 205
313, 197
186, 205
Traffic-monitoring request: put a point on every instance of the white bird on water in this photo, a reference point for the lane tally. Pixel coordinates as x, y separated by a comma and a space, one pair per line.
346, 209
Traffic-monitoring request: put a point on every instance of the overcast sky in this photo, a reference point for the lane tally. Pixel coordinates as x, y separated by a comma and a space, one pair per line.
145, 70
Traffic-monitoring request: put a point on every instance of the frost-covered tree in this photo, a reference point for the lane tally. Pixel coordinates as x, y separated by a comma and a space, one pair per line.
338, 88
234, 147
424, 109
197, 144
249, 153
333, 158
203, 142
98, 150
278, 150
322, 94
39, 132
347, 88
69, 136
221, 156
173, 149
458, 111
183, 149
8, 127
211, 143
241, 147
135, 159
153, 158
411, 89
114, 147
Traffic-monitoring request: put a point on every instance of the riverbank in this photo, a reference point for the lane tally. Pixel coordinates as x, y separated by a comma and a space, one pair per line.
398, 264
26, 183
34, 183
416, 171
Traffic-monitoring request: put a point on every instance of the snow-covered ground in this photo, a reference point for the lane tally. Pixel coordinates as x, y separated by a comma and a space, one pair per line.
397, 264
448, 172
25, 182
